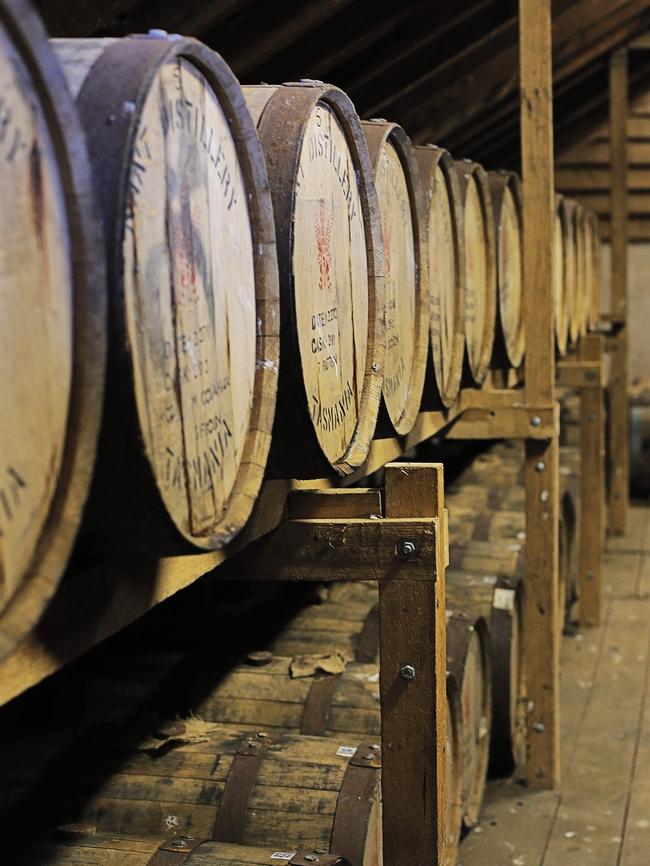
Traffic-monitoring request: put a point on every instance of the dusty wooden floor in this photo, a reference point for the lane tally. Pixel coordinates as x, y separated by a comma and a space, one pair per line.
601, 815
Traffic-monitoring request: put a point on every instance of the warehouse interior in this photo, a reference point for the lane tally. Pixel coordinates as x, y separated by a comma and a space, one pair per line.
325, 461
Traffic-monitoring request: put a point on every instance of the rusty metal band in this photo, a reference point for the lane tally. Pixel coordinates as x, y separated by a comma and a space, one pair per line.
174, 852
231, 817
368, 641
316, 712
482, 524
354, 804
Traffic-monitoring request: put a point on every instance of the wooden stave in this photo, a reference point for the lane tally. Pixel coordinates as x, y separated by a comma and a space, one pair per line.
377, 134
145, 526
279, 126
507, 347
54, 546
561, 306
187, 781
570, 267
478, 367
448, 370
80, 846
453, 781
463, 631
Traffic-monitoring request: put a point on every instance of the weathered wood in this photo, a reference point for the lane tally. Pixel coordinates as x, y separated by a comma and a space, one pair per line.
445, 238
510, 339
330, 255
397, 180
540, 619
52, 327
183, 780
618, 427
83, 847
480, 267
412, 632
194, 293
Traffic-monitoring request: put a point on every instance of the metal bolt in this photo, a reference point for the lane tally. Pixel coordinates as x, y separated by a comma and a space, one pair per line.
590, 575
375, 367
407, 547
369, 757
407, 672
320, 850
539, 727
540, 467
536, 421
311, 858
157, 33
543, 496
375, 746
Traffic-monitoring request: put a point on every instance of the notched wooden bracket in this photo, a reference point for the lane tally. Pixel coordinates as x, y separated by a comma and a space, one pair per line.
514, 421
341, 549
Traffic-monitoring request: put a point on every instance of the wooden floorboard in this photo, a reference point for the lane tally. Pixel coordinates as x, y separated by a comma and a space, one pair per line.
601, 815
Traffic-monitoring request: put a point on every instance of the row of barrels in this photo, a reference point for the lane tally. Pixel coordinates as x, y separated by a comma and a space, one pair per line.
277, 749
203, 283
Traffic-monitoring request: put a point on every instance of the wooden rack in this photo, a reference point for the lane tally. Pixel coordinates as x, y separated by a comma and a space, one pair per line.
403, 546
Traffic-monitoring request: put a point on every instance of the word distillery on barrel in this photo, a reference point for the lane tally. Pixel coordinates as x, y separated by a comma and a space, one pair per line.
193, 286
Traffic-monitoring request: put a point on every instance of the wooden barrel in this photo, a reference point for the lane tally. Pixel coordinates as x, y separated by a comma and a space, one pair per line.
194, 290
560, 283
52, 326
81, 845
468, 660
469, 523
243, 785
480, 267
482, 497
453, 777
445, 237
510, 338
397, 181
330, 255
498, 600
281, 692
488, 557
570, 267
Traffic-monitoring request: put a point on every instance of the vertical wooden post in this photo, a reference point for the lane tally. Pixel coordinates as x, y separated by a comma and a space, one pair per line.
619, 437
413, 711
592, 487
541, 624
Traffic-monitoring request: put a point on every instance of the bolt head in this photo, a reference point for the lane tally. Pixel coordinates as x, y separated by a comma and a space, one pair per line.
536, 421
369, 757
540, 466
157, 33
407, 671
311, 858
320, 850
407, 547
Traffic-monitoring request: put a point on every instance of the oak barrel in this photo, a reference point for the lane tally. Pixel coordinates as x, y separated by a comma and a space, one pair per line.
188, 220
445, 276
510, 339
560, 282
468, 660
81, 845
52, 327
243, 785
594, 251
480, 267
397, 181
571, 267
330, 255
498, 600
